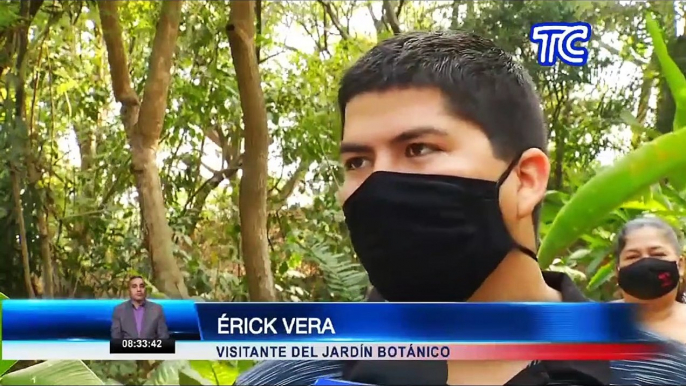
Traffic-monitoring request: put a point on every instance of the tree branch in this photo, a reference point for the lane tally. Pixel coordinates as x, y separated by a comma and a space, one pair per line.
345, 35
378, 24
21, 39
400, 8
282, 194
391, 17
253, 186
8, 49
197, 200
154, 104
116, 54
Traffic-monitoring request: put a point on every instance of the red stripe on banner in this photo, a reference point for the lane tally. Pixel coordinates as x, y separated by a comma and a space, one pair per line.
554, 351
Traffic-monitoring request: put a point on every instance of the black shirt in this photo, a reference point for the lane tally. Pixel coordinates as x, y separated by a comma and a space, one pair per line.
537, 373
306, 372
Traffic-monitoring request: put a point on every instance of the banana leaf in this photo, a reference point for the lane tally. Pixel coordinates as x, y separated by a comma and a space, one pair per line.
166, 373
218, 373
660, 158
611, 187
677, 86
53, 373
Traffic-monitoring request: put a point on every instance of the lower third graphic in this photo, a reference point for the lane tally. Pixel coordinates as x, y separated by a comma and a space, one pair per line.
558, 40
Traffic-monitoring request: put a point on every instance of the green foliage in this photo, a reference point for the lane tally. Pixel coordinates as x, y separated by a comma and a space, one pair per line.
52, 373
9, 15
177, 372
670, 71
677, 85
167, 373
218, 373
85, 188
628, 177
611, 187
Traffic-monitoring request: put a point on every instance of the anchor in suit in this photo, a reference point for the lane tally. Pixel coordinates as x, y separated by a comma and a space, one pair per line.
138, 318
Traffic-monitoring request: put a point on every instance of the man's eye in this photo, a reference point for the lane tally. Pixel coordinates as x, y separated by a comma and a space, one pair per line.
355, 163
419, 149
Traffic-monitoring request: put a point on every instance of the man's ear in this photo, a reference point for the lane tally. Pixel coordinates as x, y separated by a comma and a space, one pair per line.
533, 171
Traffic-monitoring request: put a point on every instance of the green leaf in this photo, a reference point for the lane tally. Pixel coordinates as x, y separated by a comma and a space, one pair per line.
627, 117
166, 373
53, 373
190, 377
670, 71
579, 254
4, 365
677, 85
602, 276
219, 373
608, 189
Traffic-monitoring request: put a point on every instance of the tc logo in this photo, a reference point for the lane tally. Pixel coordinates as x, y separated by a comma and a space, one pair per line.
557, 40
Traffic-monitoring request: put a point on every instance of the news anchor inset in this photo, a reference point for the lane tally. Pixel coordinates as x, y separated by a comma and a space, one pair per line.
139, 325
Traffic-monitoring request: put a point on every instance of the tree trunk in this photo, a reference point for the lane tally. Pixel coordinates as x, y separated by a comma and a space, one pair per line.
48, 274
20, 43
19, 214
144, 133
455, 15
253, 185
647, 84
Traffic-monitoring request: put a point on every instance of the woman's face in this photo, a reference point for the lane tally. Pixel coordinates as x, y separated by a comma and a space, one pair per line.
647, 269
648, 242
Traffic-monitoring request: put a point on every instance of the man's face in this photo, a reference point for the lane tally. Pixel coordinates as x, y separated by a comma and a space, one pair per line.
137, 289
411, 131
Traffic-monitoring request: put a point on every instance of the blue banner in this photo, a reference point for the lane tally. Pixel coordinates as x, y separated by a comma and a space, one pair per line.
85, 319
415, 322
337, 322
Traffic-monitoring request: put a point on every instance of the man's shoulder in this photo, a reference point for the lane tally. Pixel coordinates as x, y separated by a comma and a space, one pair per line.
157, 307
121, 306
287, 373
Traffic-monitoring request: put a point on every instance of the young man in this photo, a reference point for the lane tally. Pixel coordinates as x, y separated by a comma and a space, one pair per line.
445, 168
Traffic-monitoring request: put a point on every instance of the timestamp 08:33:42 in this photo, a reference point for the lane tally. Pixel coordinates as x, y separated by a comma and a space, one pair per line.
142, 346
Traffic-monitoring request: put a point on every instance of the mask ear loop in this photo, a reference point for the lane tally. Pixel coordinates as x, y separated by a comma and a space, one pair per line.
510, 168
499, 183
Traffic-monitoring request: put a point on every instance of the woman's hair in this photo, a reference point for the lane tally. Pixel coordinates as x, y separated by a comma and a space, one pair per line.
669, 233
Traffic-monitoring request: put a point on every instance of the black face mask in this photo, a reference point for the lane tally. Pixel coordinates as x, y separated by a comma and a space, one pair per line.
649, 278
428, 238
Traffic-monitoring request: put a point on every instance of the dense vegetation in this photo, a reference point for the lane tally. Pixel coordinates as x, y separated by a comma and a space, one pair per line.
195, 143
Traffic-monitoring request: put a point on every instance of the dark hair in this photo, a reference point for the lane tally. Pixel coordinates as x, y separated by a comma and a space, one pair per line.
136, 277
668, 232
481, 83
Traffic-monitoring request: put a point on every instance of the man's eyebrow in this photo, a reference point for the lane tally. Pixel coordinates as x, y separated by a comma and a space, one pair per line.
418, 132
408, 135
355, 148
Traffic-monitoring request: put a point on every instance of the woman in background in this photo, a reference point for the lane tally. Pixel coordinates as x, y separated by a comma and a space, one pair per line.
650, 272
